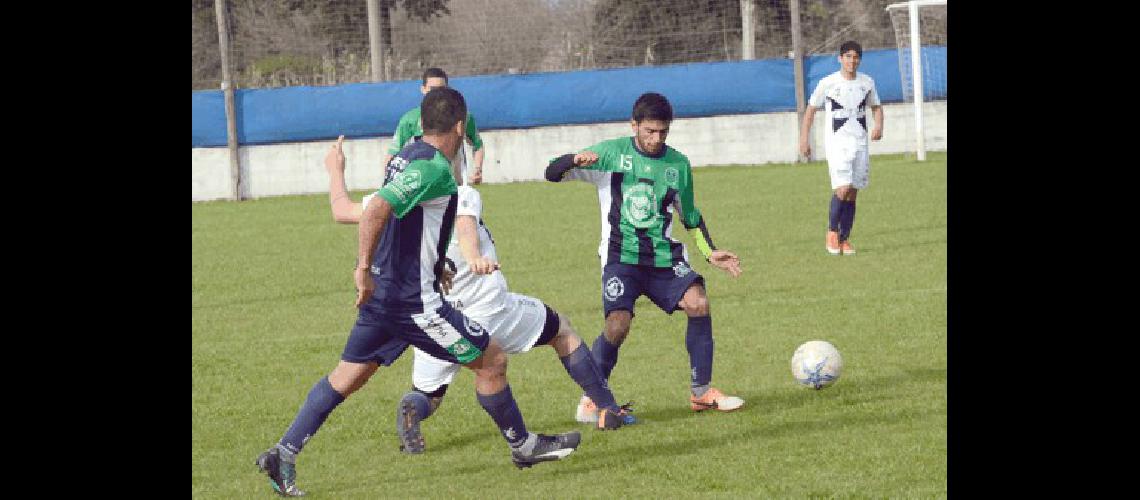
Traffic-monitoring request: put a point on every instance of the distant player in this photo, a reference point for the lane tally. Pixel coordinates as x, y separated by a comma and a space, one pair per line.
642, 183
517, 321
410, 127
846, 95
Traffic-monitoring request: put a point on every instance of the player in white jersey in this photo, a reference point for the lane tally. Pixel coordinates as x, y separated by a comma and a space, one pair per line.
517, 322
845, 95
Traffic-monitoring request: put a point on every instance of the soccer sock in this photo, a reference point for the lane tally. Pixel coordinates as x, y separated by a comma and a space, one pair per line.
605, 355
503, 409
699, 341
317, 407
833, 215
421, 402
846, 220
582, 368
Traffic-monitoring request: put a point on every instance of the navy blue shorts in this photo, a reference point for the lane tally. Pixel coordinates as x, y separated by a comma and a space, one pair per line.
622, 284
382, 336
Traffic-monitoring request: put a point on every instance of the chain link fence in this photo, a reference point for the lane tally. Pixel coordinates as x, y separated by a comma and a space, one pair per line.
277, 43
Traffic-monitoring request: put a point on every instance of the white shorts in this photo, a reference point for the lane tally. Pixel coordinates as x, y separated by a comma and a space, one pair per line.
848, 164
515, 328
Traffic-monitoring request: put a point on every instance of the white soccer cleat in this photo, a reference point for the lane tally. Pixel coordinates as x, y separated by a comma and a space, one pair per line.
715, 400
587, 412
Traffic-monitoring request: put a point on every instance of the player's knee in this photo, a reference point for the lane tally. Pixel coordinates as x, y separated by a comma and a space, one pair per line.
617, 326
696, 307
348, 377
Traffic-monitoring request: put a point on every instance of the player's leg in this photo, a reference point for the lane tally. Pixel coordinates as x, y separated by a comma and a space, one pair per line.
860, 171
558, 333
430, 378
699, 342
455, 337
621, 285
840, 167
367, 348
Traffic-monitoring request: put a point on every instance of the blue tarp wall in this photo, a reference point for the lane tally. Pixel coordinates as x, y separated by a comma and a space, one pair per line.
298, 114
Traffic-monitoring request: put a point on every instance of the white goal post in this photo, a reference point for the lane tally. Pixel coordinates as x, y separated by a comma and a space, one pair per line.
909, 20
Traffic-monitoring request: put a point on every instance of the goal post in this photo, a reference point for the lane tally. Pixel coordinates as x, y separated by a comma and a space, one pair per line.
919, 24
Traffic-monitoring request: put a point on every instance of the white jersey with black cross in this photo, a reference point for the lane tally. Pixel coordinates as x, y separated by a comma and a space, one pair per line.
846, 102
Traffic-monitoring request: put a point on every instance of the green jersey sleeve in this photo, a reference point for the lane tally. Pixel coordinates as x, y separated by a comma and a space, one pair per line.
408, 127
473, 134
421, 180
690, 214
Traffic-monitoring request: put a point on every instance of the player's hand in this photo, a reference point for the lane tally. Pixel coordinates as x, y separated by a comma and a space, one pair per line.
585, 159
876, 134
477, 177
726, 261
805, 149
446, 280
364, 285
483, 265
334, 160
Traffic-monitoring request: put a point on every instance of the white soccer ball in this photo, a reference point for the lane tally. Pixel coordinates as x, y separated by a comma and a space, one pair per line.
817, 364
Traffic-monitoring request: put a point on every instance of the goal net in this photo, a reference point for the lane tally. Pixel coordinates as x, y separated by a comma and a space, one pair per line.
920, 32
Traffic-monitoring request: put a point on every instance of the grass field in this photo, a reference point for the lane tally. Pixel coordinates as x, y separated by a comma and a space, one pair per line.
272, 304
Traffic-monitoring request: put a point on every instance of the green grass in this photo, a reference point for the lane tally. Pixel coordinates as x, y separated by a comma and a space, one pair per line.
272, 304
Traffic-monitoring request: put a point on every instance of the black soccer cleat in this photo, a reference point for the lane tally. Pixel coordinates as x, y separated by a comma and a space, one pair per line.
609, 421
408, 428
282, 475
548, 448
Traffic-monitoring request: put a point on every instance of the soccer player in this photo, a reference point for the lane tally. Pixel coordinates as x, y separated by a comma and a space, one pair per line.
410, 127
641, 183
846, 94
402, 236
517, 321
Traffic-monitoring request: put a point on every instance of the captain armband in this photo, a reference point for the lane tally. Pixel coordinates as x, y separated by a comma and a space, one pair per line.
700, 235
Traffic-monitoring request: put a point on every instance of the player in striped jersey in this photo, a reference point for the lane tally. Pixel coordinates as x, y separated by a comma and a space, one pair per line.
517, 321
845, 95
642, 183
402, 238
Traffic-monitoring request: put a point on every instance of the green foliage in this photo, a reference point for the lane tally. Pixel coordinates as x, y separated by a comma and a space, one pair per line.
271, 302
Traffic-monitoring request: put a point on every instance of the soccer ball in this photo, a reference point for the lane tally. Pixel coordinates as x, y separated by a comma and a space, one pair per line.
817, 364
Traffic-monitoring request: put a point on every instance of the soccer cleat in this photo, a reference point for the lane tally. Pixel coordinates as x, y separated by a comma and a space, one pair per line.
715, 400
832, 244
847, 248
547, 448
609, 421
587, 412
282, 474
408, 428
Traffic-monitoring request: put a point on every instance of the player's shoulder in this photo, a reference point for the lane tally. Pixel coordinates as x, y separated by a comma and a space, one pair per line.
417, 151
865, 78
412, 115
672, 155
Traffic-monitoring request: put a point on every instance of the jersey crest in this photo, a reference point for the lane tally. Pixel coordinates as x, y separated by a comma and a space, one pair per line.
639, 205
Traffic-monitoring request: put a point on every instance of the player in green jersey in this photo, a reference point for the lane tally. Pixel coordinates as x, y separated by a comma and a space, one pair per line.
642, 183
410, 127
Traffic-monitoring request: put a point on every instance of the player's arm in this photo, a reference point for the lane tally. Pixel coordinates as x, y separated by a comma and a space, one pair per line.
466, 231
805, 131
476, 148
344, 210
694, 222
372, 222
814, 102
561, 165
876, 113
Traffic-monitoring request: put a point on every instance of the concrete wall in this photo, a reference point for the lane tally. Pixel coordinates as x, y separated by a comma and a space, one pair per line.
522, 154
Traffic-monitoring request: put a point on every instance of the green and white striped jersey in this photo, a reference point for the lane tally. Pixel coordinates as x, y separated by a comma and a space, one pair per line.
638, 195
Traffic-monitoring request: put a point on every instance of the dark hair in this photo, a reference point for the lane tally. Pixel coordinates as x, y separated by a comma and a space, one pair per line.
441, 109
851, 45
434, 73
652, 106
